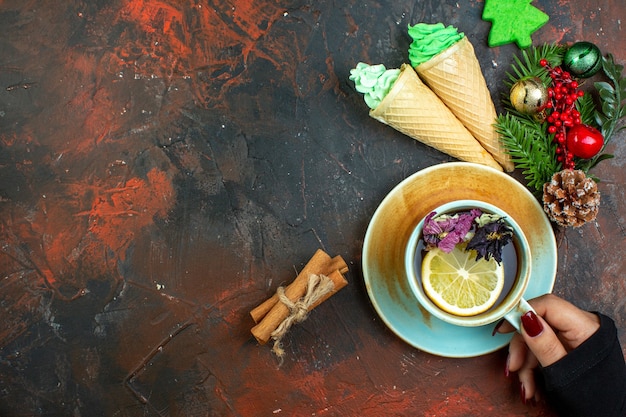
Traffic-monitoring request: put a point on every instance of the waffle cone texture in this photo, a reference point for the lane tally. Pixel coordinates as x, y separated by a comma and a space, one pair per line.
457, 79
413, 109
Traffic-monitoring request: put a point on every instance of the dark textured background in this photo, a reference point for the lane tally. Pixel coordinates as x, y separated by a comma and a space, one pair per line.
165, 165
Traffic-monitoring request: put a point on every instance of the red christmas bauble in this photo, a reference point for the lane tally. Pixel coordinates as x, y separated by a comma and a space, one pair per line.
584, 141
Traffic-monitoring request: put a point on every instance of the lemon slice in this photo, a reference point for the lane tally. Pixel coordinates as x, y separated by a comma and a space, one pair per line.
459, 284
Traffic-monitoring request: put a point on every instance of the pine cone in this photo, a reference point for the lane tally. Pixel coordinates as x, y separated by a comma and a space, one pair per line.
571, 198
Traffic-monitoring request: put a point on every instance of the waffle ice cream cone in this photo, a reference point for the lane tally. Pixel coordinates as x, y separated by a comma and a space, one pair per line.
413, 109
455, 76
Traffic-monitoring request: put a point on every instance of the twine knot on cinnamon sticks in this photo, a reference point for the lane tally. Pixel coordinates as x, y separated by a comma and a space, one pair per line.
320, 278
317, 287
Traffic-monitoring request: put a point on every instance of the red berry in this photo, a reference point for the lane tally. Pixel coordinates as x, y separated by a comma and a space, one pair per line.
584, 141
543, 62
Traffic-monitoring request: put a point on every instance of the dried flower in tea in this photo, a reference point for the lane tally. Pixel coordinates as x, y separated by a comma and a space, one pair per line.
485, 233
490, 238
446, 231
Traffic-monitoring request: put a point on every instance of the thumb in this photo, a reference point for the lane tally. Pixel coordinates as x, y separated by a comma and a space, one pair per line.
541, 339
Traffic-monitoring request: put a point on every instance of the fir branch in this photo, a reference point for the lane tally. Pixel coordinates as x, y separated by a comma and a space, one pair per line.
587, 109
530, 147
529, 63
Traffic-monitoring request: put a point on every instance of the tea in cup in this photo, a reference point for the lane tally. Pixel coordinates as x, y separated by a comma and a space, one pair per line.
468, 263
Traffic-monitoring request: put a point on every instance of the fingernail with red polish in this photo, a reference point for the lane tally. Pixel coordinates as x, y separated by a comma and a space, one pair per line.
498, 325
531, 323
522, 392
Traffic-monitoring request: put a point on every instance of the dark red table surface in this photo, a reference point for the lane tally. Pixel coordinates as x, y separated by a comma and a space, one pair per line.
166, 165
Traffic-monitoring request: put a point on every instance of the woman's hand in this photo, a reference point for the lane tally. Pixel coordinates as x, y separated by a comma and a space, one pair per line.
557, 328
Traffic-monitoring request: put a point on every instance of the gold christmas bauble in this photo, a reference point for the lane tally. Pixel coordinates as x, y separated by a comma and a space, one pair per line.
529, 95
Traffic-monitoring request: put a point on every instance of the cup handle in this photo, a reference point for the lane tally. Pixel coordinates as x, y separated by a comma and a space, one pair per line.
515, 316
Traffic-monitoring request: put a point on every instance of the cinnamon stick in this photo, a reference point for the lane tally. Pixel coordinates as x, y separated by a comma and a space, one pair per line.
271, 313
320, 263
